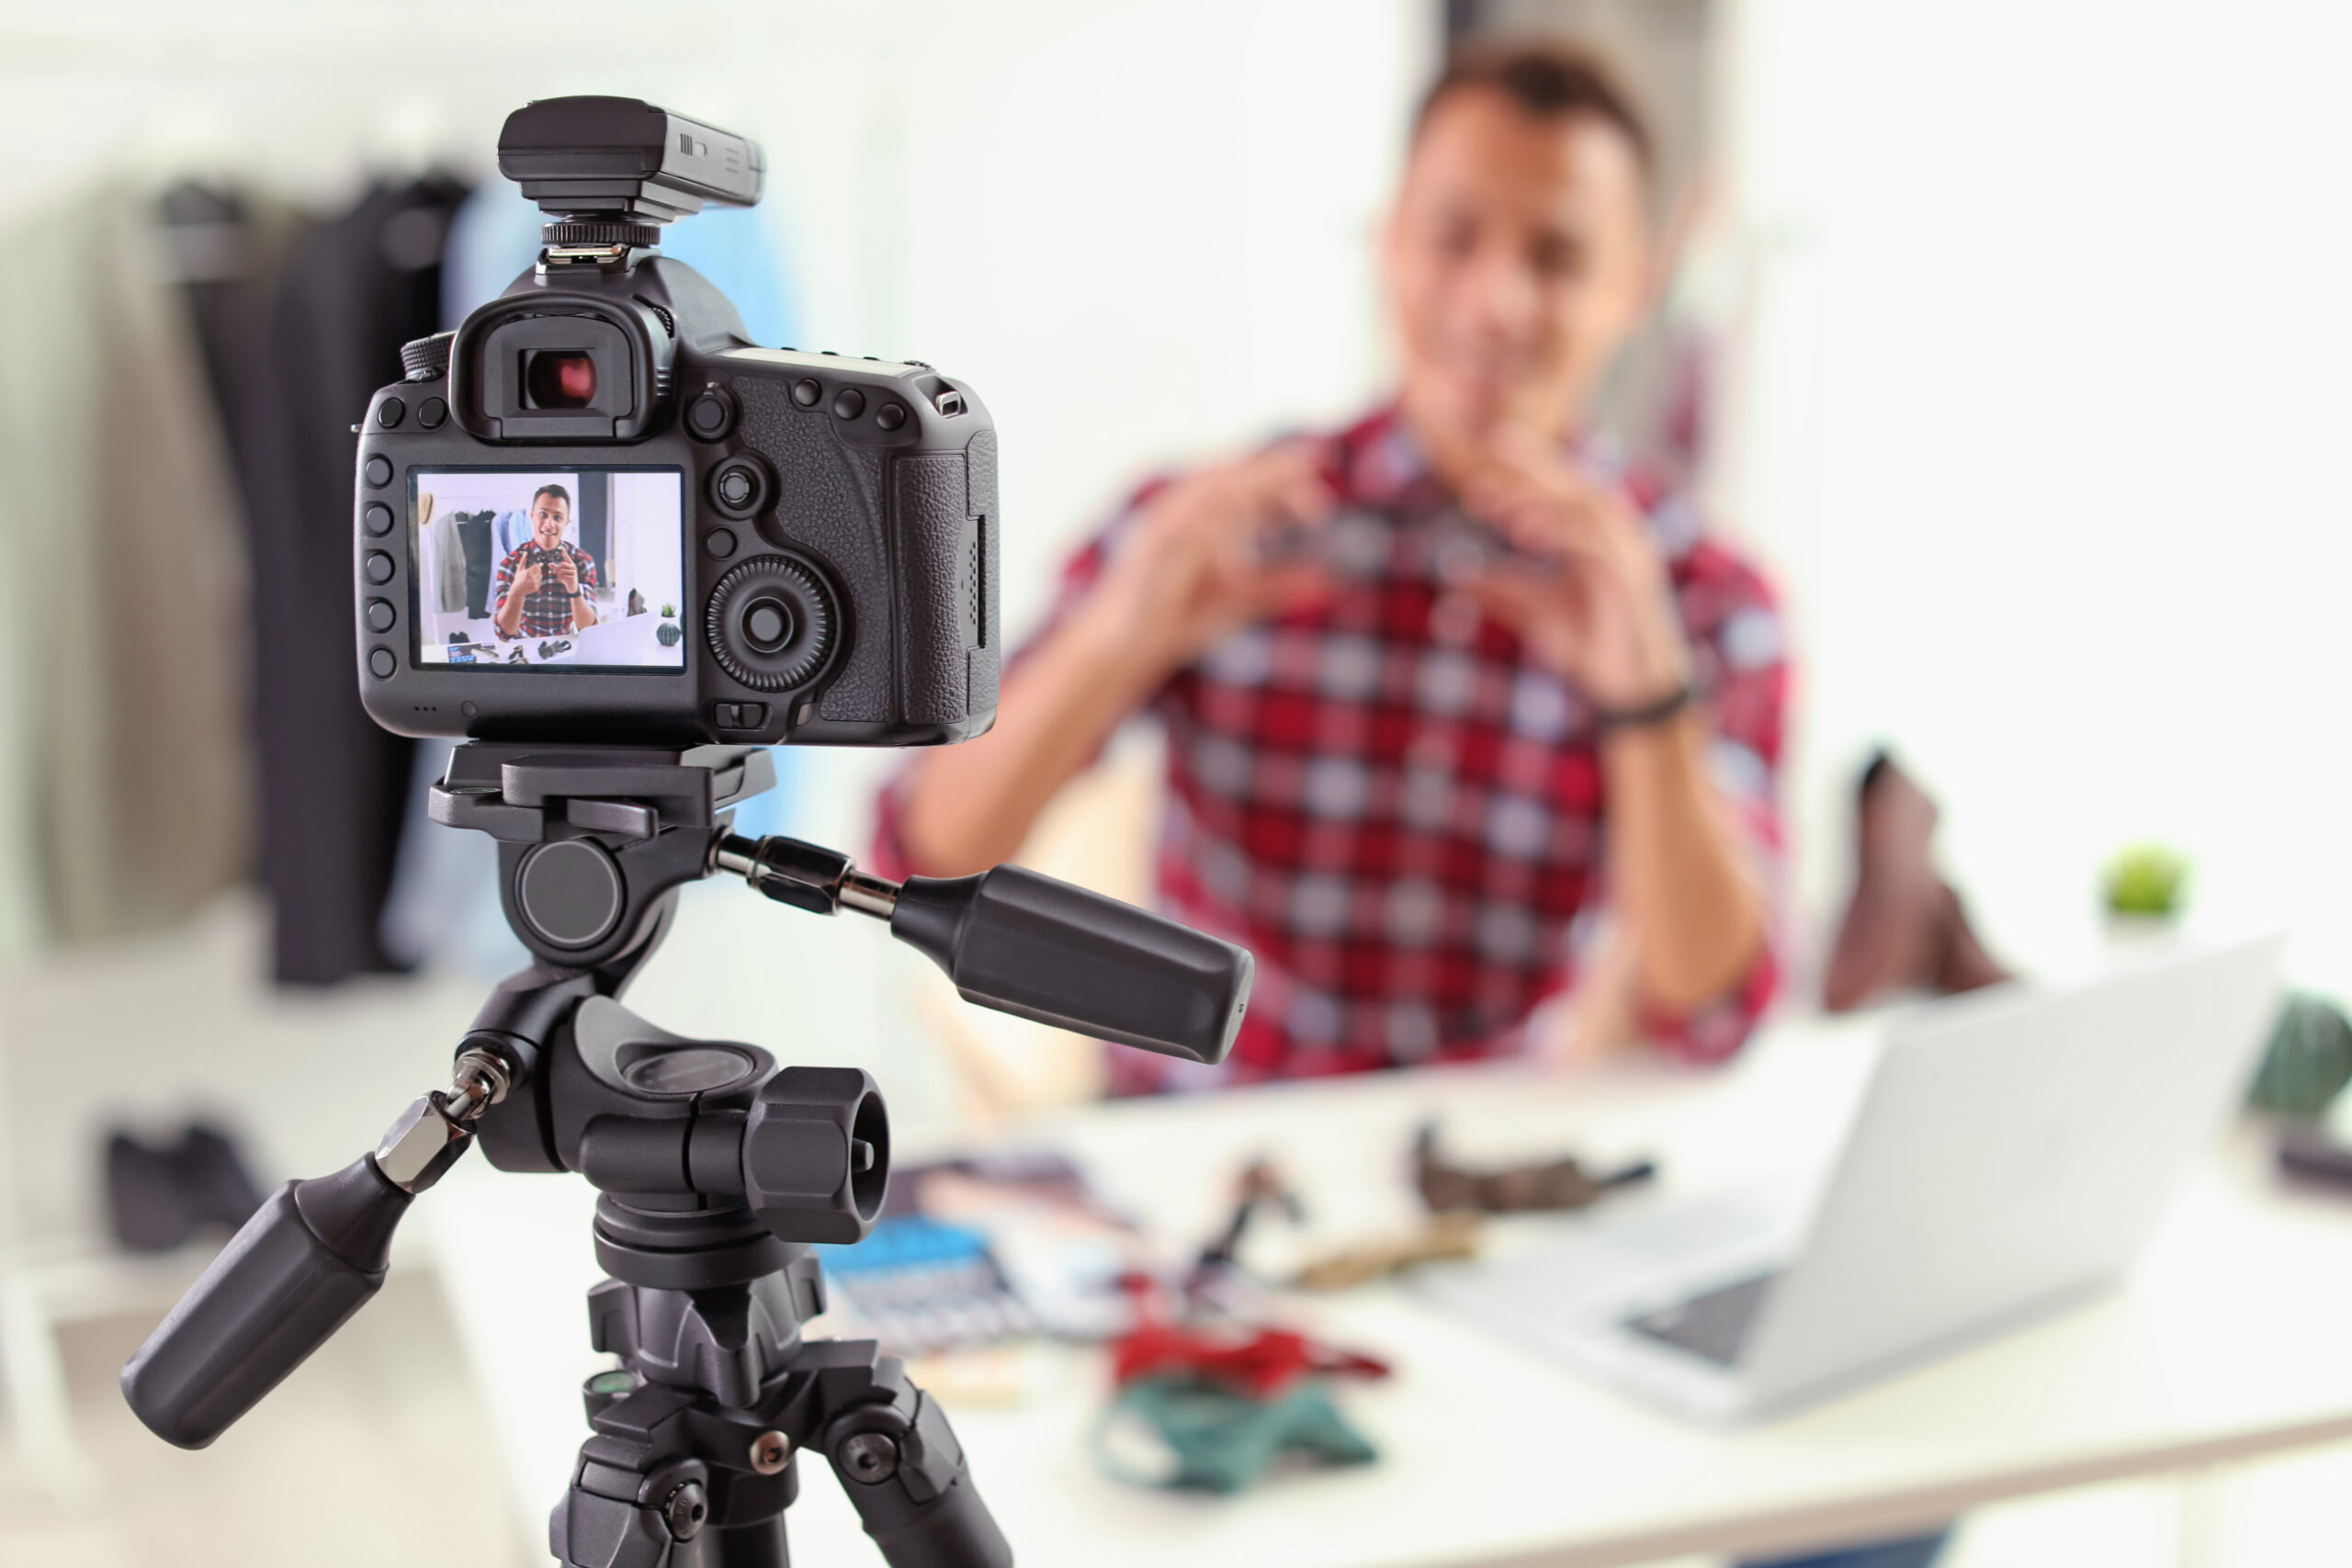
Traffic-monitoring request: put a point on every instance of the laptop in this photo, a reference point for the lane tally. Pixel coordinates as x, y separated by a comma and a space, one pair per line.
2012, 1150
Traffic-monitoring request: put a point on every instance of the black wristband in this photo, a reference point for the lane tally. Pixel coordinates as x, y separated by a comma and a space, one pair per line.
1658, 712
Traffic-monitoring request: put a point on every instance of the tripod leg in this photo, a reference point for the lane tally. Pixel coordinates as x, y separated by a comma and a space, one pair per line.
636, 1494
898, 1459
749, 1546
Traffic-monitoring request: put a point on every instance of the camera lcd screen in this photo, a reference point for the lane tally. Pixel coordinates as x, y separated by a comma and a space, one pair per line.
549, 569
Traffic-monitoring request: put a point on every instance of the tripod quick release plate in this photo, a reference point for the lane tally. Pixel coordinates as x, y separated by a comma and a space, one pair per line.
514, 792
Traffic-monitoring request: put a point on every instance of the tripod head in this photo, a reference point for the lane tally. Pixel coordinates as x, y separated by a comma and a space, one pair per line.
716, 1167
593, 841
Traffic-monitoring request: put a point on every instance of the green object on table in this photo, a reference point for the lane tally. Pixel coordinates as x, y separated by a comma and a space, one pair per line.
1222, 1442
2309, 1061
2146, 879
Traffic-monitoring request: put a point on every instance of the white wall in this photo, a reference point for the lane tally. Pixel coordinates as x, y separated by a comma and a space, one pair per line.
2072, 528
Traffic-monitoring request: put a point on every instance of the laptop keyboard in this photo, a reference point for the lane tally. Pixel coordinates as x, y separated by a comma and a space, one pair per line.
1713, 1325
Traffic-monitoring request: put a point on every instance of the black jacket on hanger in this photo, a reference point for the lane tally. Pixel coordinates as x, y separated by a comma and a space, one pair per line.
332, 784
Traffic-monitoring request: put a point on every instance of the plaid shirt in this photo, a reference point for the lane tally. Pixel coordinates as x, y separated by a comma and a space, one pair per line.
1397, 810
547, 611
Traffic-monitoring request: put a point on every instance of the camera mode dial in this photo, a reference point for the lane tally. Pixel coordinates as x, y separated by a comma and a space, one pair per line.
770, 623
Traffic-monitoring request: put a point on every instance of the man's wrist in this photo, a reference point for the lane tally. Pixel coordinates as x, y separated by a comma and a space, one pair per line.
1668, 704
1123, 656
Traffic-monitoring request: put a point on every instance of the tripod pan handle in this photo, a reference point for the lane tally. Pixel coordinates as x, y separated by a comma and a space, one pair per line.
1037, 948
303, 1264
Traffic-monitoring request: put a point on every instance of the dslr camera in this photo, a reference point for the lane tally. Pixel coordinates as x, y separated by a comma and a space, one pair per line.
598, 508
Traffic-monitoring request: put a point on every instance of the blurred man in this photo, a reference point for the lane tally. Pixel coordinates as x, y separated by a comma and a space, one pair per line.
1425, 677
544, 583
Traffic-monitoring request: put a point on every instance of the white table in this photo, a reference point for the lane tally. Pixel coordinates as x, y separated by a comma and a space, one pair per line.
2228, 1342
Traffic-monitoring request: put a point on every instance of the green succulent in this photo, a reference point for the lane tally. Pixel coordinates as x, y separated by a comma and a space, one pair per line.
2147, 879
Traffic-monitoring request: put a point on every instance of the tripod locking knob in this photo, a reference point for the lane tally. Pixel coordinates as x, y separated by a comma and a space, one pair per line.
817, 1154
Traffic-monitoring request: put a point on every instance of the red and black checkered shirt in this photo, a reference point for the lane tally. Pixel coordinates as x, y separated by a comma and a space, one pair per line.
547, 610
1397, 810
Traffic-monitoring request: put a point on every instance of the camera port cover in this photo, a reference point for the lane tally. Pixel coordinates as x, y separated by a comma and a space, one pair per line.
770, 623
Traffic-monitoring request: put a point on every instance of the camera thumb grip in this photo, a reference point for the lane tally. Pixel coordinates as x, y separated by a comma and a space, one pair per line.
1041, 949
307, 1259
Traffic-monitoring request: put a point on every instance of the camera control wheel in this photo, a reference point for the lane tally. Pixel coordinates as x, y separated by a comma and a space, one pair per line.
770, 623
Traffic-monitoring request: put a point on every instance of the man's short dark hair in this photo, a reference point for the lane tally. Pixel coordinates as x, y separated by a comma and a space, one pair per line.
557, 491
1548, 81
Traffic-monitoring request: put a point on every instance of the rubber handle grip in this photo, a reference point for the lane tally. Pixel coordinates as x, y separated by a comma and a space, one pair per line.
307, 1259
1041, 949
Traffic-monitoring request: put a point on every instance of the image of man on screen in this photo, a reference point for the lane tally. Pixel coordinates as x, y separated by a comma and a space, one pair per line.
544, 583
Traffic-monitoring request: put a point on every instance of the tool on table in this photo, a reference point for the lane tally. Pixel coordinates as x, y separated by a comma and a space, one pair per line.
1548, 1185
1260, 1183
1449, 1237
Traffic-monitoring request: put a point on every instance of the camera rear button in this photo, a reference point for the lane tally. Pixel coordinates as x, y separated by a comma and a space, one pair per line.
720, 543
848, 404
378, 566
381, 664
432, 412
378, 471
390, 411
377, 519
806, 393
380, 615
890, 416
711, 414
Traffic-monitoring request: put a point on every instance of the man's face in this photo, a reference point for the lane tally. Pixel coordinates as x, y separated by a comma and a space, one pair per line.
549, 518
1518, 263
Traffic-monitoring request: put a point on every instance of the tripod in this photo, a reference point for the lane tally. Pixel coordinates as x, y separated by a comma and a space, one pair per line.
716, 1169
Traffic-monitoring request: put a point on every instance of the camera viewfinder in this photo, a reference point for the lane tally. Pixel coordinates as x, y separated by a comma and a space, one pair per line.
559, 378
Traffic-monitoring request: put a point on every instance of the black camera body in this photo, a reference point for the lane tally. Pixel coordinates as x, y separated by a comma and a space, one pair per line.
766, 545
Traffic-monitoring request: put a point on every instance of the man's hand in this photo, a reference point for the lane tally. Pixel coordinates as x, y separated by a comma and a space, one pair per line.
1605, 618
1193, 566
567, 573
527, 579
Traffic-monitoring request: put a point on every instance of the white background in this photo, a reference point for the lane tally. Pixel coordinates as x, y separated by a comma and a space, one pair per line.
2065, 287
2039, 325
